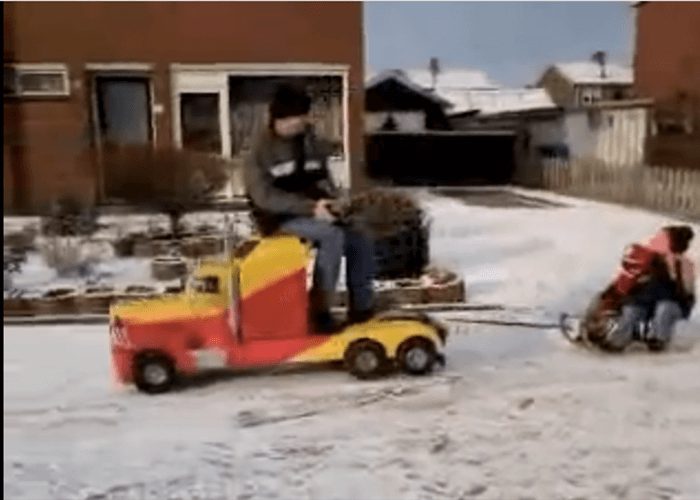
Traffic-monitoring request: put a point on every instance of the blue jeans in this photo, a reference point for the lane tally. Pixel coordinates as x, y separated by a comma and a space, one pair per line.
332, 242
666, 314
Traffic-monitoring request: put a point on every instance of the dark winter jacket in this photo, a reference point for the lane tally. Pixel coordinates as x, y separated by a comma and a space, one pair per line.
285, 177
659, 286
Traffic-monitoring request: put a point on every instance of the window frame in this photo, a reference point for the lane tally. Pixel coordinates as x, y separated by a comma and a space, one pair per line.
37, 68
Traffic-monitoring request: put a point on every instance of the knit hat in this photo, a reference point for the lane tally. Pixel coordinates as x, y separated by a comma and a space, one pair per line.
289, 100
680, 237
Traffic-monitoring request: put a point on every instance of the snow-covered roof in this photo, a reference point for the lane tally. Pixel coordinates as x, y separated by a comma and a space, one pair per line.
401, 77
452, 78
588, 72
369, 74
495, 101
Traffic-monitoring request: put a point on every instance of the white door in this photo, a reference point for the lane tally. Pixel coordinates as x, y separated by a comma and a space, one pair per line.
200, 113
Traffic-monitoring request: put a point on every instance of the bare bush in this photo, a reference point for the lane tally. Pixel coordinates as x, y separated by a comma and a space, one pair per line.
72, 256
70, 217
170, 181
384, 212
13, 259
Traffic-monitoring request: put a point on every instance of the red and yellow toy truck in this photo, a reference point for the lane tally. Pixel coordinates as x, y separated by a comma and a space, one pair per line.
252, 311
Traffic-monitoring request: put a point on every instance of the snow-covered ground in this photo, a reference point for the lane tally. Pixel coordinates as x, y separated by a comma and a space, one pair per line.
516, 414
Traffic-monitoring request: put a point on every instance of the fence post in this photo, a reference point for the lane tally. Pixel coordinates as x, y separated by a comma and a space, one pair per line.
648, 185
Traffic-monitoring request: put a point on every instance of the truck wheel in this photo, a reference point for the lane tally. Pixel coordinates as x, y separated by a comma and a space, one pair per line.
154, 373
365, 359
416, 356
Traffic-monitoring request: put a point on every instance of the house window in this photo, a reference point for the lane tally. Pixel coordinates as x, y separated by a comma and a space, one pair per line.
249, 97
36, 80
672, 122
589, 94
671, 127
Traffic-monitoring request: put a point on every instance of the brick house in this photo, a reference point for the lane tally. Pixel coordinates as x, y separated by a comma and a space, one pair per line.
81, 77
667, 69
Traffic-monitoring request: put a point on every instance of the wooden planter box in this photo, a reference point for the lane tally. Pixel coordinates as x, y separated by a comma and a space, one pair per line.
191, 247
211, 245
20, 240
448, 293
173, 290
163, 247
55, 302
442, 286
17, 306
406, 291
95, 300
415, 291
139, 292
202, 246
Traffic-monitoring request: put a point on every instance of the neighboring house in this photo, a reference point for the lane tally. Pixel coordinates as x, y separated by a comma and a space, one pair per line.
395, 103
576, 84
493, 102
409, 138
415, 99
529, 112
83, 78
667, 70
612, 131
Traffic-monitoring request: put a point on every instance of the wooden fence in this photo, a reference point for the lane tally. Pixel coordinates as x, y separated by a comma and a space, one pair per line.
656, 188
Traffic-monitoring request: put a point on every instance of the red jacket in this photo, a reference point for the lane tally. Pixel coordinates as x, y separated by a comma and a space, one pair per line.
636, 268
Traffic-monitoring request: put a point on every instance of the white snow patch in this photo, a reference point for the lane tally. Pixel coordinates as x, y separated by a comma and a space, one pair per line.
495, 101
452, 78
517, 413
588, 72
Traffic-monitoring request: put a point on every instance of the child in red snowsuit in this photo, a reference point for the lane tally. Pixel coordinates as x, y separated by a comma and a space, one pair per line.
655, 286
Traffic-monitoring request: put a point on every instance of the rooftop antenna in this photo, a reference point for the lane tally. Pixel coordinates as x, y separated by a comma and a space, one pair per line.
600, 57
434, 67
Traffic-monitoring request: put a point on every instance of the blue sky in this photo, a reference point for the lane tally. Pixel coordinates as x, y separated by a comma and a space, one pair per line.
512, 41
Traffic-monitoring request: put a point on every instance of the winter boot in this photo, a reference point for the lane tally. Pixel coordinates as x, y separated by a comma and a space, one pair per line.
320, 317
360, 316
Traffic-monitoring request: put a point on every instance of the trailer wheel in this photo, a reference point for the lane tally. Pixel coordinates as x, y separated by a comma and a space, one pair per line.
366, 359
416, 356
154, 373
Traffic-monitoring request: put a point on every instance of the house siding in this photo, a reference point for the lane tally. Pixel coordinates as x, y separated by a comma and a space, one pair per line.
614, 136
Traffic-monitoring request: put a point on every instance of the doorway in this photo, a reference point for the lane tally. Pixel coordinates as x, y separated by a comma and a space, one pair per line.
122, 118
123, 110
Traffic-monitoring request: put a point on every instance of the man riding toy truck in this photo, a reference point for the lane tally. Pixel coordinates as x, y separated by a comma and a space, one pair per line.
253, 309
